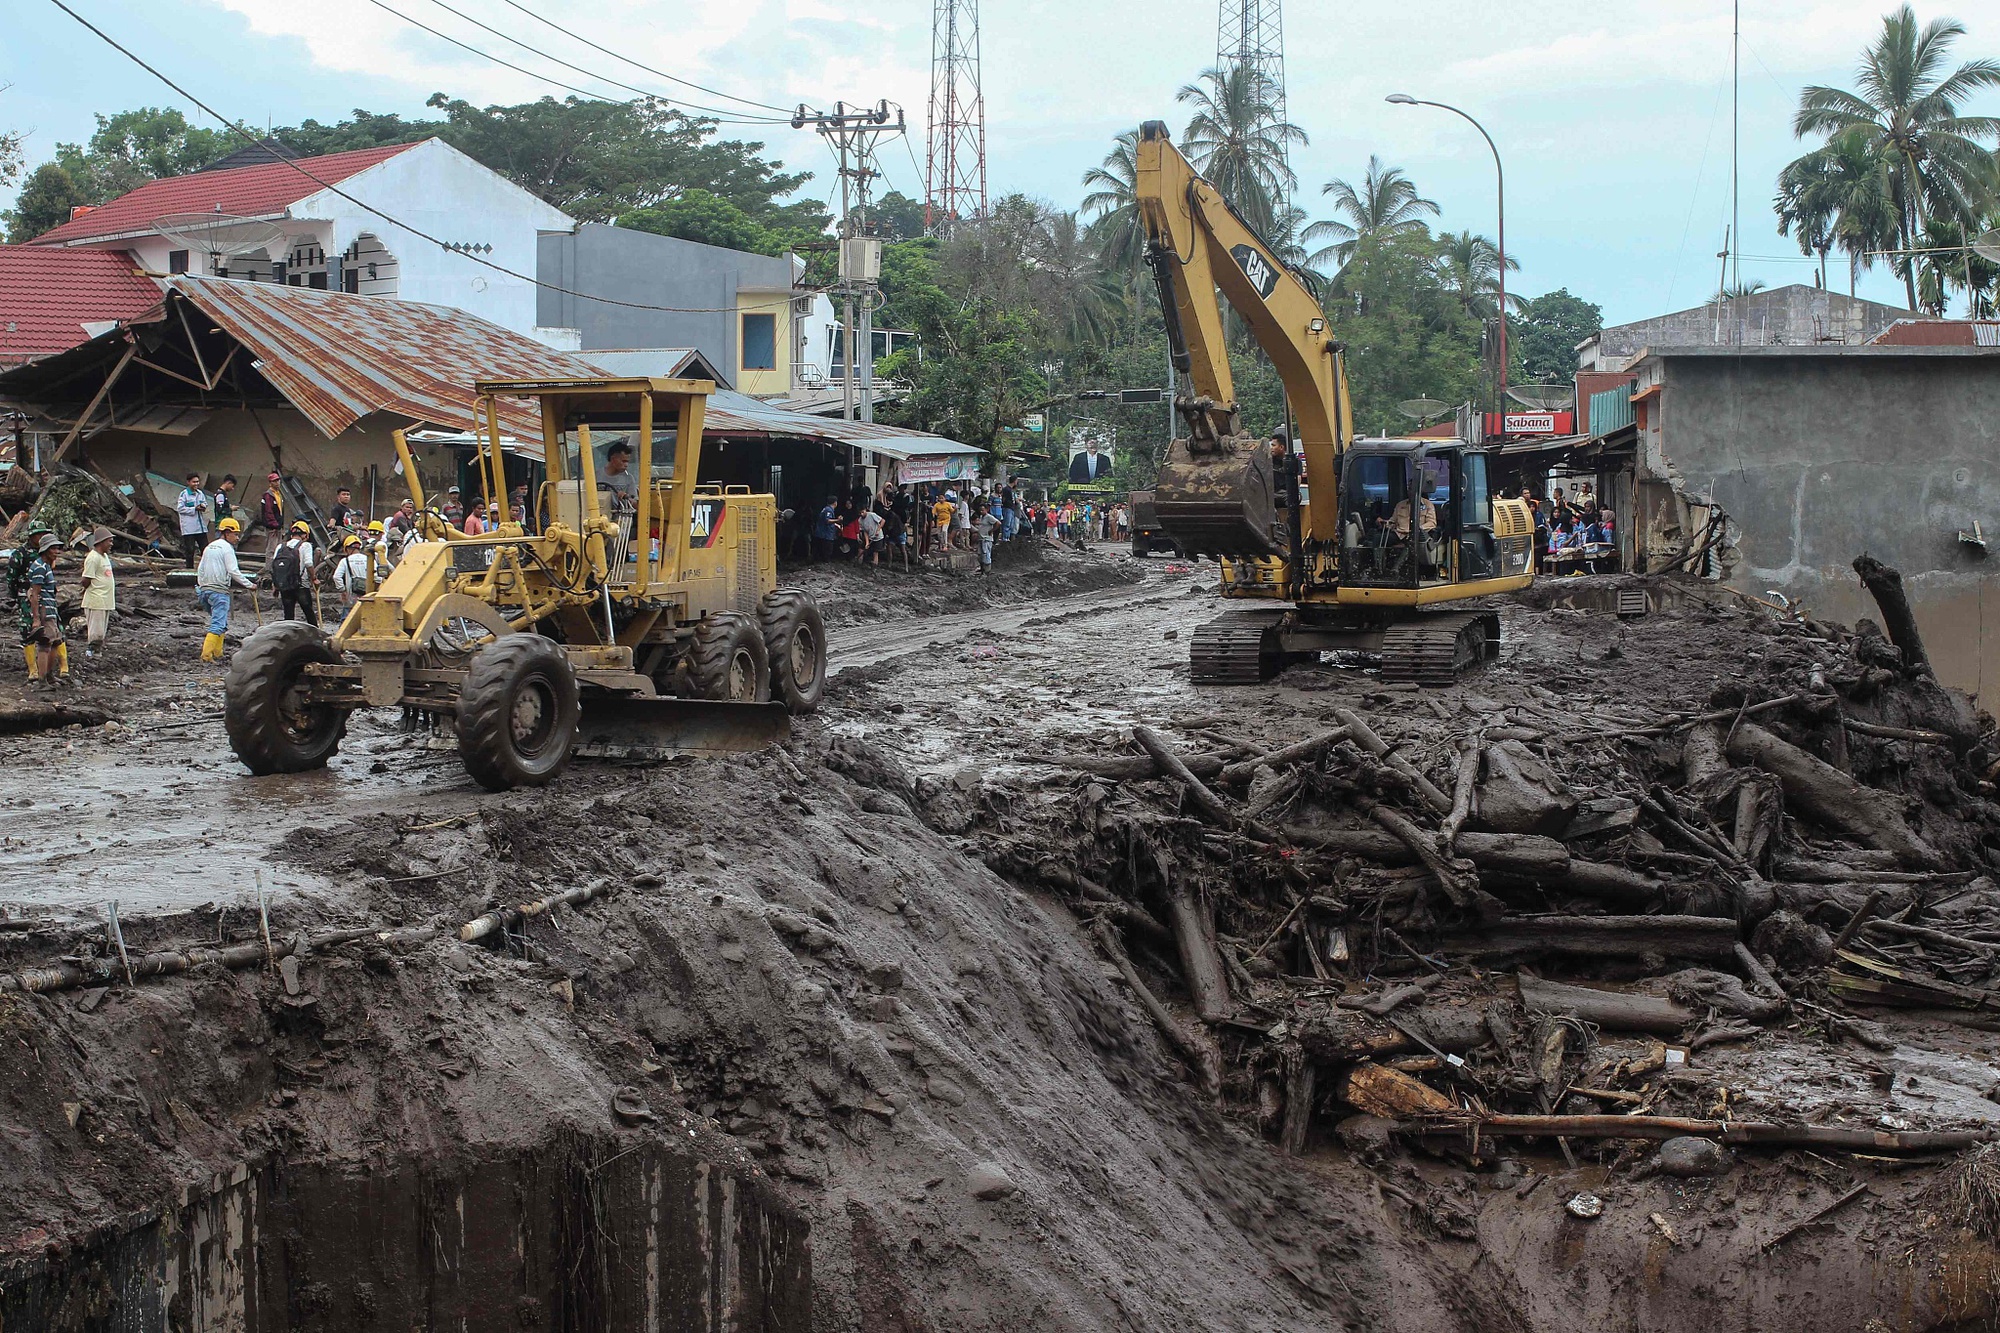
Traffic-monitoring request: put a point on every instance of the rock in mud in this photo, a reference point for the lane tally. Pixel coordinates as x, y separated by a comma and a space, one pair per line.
989, 1180
1791, 942
1688, 1156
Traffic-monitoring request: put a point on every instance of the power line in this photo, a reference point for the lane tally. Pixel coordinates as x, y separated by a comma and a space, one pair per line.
660, 73
237, 129
602, 78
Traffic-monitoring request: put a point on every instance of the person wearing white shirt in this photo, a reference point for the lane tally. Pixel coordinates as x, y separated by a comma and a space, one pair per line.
100, 594
217, 576
350, 576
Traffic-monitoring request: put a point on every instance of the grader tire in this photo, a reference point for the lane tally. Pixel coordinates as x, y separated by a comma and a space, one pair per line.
271, 728
517, 713
728, 661
795, 641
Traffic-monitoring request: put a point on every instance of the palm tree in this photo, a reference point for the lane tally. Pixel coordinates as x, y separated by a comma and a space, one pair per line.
1116, 230
1236, 140
1072, 287
1468, 268
1386, 204
1839, 195
1907, 108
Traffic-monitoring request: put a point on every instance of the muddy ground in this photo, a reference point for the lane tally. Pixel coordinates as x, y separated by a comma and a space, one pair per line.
807, 969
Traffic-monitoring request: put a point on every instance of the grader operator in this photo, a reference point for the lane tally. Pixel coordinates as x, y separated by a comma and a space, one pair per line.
1372, 535
633, 616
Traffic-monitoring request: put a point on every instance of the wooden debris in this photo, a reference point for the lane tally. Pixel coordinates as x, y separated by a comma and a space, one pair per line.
1377, 1090
1617, 1010
1301, 752
1172, 766
1364, 735
1600, 936
1883, 984
510, 917
1198, 1057
1817, 1215
1753, 1133
1395, 997
1885, 585
1823, 792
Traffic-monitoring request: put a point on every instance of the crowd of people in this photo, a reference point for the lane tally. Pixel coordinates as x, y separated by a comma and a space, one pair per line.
902, 523
1573, 533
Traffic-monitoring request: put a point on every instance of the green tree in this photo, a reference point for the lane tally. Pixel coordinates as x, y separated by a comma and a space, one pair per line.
45, 202
896, 217
1386, 204
1543, 337
596, 160
364, 129
1407, 337
1235, 139
1469, 268
1906, 107
698, 215
1839, 195
133, 147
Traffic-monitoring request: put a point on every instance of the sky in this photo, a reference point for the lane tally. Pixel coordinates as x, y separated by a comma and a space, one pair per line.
1613, 120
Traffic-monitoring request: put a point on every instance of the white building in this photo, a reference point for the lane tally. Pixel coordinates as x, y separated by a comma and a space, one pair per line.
278, 221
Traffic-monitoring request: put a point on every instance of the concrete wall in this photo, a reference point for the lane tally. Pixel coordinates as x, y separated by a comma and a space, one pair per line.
1796, 315
701, 281
1820, 456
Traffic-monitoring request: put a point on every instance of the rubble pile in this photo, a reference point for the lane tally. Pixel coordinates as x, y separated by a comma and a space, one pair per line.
1457, 918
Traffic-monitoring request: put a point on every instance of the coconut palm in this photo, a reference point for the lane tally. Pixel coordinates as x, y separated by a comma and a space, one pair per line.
1072, 287
1113, 203
1906, 106
1468, 268
1236, 140
1839, 196
1387, 203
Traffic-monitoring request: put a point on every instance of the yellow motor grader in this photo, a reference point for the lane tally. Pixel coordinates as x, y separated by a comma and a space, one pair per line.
635, 614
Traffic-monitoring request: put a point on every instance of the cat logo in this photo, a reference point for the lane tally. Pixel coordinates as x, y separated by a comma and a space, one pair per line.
705, 524
1256, 268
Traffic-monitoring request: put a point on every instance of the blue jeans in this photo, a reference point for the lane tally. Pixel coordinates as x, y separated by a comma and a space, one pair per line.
1010, 524
217, 606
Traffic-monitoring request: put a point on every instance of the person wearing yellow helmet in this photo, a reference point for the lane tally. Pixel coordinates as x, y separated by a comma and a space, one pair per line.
215, 579
291, 570
350, 572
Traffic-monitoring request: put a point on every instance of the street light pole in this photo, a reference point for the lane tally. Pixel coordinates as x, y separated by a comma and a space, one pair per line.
1500, 174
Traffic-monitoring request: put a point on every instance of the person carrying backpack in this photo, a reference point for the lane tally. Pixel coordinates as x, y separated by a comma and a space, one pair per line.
290, 567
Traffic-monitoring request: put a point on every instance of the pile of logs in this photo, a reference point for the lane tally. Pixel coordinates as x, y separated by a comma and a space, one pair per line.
1314, 899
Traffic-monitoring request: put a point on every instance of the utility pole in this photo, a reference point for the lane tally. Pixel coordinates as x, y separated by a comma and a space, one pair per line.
852, 135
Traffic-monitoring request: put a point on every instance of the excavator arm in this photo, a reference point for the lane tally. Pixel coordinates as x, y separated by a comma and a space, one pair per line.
1215, 493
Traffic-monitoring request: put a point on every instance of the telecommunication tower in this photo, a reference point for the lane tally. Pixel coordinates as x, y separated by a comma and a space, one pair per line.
1252, 32
955, 176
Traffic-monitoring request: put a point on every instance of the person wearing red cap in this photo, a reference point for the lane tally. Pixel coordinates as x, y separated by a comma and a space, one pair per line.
270, 511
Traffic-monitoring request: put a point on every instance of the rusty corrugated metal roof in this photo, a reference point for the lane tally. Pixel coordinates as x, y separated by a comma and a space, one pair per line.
339, 357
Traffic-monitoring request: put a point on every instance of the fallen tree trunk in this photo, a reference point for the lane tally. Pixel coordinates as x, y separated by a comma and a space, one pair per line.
1459, 877
1198, 1057
1617, 1010
1885, 585
1830, 796
1747, 1133
35, 715
1201, 962
1377, 1090
1600, 936
1136, 769
1171, 764
1364, 735
1527, 856
1301, 752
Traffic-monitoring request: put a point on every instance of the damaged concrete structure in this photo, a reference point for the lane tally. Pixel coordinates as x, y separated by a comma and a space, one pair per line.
1785, 461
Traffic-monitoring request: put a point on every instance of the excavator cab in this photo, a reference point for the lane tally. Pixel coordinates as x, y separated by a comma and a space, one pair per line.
1418, 514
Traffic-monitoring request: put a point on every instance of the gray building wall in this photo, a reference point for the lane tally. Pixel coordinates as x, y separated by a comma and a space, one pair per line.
1821, 454
642, 269
1795, 316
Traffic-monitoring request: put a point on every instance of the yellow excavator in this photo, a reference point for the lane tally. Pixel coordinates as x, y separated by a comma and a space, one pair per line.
1364, 545
636, 615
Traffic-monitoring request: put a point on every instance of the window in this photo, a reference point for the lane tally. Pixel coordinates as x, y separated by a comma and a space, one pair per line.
177, 261
1476, 504
760, 342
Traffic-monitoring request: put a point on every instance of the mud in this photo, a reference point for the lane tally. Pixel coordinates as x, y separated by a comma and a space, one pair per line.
819, 992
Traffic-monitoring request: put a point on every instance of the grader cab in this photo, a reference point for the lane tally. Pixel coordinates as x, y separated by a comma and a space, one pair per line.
635, 612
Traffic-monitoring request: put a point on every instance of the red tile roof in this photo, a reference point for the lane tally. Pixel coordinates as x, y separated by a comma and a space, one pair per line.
259, 191
48, 295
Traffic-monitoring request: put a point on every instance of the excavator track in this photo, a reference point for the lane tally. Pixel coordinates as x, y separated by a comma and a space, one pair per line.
1435, 648
1236, 648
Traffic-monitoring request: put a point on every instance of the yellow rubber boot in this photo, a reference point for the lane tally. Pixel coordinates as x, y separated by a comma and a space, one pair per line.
28, 651
211, 648
62, 658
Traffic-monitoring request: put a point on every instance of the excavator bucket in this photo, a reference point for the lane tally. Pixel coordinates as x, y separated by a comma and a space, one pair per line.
1220, 501
637, 727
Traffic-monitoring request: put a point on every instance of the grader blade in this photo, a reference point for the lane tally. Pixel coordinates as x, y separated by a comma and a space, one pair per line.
1218, 501
632, 727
